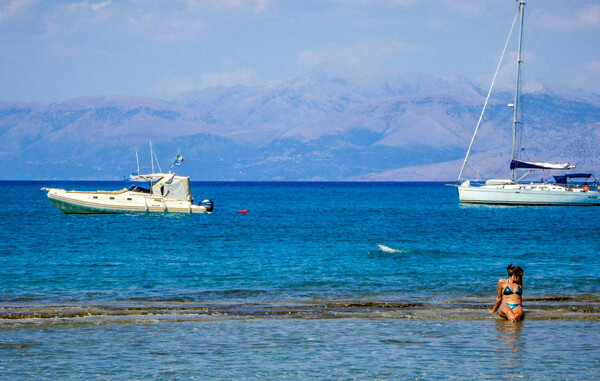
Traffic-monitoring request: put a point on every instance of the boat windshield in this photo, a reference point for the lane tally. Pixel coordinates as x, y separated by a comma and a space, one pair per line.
135, 188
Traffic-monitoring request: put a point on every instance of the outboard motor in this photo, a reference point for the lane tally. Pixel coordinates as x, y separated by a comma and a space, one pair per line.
208, 204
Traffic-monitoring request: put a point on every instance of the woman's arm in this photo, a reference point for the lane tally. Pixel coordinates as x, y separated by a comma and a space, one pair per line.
498, 300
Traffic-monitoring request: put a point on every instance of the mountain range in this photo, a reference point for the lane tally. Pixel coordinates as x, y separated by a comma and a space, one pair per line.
330, 124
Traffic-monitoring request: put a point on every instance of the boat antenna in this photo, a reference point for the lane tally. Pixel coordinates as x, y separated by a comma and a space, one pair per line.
137, 160
157, 163
154, 158
516, 103
151, 157
487, 98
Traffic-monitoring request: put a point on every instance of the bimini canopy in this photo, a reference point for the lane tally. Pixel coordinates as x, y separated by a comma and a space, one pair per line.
515, 164
177, 188
562, 180
172, 187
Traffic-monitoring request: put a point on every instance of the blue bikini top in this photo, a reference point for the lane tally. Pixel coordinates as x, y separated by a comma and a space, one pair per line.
508, 291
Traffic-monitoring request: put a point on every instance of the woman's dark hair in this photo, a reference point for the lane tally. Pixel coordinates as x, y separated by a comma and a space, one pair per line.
514, 270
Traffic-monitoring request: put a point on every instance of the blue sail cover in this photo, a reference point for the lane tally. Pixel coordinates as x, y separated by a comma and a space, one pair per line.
516, 164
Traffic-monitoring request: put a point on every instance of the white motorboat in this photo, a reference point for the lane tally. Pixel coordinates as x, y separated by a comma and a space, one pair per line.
166, 193
513, 191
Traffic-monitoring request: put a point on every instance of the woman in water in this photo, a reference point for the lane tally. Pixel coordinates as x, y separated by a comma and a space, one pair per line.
508, 298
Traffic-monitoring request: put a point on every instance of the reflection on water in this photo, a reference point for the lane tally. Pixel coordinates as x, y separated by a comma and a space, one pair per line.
509, 347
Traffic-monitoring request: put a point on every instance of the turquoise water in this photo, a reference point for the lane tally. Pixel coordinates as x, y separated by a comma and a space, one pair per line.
296, 287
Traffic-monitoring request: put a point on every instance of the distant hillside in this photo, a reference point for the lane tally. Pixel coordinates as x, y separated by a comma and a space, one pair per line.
330, 124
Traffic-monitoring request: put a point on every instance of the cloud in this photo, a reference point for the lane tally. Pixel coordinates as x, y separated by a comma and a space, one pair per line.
171, 29
377, 3
106, 20
506, 75
367, 53
238, 76
256, 6
87, 6
97, 6
587, 75
583, 18
171, 87
593, 67
13, 7
464, 8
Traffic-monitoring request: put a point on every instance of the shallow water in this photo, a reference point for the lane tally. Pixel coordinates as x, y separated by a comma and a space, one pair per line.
300, 348
296, 287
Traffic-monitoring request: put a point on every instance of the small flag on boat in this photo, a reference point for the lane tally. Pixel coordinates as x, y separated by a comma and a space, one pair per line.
178, 160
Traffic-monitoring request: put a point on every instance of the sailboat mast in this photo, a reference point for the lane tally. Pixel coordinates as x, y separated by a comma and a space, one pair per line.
516, 103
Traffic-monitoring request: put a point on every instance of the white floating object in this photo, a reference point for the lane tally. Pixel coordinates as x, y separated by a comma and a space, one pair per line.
387, 249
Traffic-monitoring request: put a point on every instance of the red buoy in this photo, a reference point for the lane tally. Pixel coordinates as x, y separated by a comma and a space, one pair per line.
242, 211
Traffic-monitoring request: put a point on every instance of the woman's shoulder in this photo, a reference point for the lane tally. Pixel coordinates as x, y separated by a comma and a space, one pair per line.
502, 282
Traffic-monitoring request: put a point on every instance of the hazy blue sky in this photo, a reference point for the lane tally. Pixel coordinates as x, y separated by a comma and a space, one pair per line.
53, 50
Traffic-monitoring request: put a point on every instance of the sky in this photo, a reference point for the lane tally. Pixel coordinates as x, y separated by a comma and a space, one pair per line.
55, 50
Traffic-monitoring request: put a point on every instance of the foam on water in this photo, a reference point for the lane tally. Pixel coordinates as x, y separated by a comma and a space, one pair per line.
576, 307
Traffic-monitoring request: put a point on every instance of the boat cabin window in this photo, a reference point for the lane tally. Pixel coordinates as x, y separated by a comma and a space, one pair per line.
95, 196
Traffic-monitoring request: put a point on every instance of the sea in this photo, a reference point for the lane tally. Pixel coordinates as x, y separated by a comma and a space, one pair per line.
296, 288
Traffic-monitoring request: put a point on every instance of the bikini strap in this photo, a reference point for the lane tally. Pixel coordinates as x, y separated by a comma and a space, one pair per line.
508, 286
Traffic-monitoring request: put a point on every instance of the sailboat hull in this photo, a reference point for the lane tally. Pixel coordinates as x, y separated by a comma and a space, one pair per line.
541, 195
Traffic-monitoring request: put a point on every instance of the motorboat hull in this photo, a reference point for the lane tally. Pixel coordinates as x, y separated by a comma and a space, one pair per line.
76, 202
532, 195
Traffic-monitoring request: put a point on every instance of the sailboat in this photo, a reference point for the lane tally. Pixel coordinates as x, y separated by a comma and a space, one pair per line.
567, 188
166, 193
